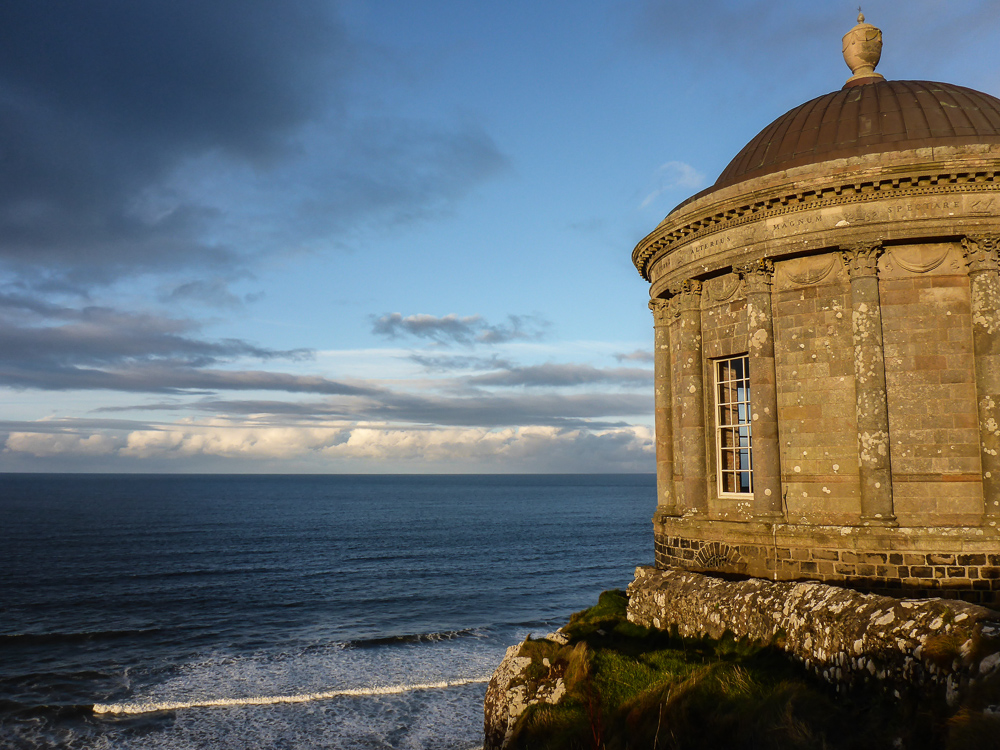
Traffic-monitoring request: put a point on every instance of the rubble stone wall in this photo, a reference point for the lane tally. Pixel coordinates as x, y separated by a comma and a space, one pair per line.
841, 635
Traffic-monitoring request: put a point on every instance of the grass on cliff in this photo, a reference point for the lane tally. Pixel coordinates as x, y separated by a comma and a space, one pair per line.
629, 687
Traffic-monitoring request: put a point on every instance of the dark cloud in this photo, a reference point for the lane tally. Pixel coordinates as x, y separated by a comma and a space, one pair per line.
99, 101
231, 73
639, 355
496, 411
213, 292
73, 424
34, 332
127, 127
391, 171
445, 328
53, 347
173, 379
451, 329
529, 327
589, 410
552, 374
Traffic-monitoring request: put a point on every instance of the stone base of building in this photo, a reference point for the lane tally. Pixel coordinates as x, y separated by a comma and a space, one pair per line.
948, 562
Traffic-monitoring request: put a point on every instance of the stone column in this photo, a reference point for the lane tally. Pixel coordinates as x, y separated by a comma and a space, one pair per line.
666, 499
869, 385
764, 443
691, 395
984, 280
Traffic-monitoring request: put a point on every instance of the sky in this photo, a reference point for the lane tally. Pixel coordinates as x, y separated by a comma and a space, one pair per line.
373, 236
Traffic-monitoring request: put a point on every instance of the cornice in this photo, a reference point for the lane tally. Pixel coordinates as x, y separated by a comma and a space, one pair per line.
759, 206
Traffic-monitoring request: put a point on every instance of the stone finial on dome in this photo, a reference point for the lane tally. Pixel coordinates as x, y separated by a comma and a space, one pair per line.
862, 51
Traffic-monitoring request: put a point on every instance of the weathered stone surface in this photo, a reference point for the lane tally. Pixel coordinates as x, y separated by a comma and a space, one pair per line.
864, 287
842, 635
507, 695
929, 561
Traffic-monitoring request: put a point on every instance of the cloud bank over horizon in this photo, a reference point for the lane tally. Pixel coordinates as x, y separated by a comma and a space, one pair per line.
330, 235
453, 412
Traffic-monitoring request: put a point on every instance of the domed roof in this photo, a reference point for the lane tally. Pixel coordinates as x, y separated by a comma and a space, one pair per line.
865, 119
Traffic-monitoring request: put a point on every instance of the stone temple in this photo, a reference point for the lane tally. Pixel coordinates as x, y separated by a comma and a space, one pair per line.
827, 341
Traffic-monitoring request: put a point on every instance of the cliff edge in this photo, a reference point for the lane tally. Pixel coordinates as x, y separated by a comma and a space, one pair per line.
689, 661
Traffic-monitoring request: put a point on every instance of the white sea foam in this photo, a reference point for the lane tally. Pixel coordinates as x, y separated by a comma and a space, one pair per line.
264, 700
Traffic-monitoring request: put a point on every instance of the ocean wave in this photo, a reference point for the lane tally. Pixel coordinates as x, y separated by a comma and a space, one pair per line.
267, 700
388, 640
25, 639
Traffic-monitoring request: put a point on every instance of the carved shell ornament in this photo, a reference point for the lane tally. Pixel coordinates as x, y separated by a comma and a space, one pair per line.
729, 287
918, 262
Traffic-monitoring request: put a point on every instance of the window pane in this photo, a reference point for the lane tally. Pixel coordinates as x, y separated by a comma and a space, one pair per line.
725, 371
733, 425
736, 365
745, 482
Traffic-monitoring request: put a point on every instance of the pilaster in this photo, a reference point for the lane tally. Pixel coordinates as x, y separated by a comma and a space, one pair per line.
981, 254
765, 445
875, 469
690, 395
666, 498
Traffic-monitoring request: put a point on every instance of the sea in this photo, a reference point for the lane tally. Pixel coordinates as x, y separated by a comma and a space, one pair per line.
165, 611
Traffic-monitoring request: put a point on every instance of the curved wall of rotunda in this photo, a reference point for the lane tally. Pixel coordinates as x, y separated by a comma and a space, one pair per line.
827, 365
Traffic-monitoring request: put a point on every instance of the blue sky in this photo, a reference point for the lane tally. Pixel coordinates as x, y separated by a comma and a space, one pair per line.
318, 236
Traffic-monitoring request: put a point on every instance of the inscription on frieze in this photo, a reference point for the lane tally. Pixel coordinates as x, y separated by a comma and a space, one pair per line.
919, 209
815, 223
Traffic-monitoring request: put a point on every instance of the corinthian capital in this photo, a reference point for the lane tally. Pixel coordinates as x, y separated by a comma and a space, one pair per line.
757, 275
663, 311
687, 295
981, 252
861, 258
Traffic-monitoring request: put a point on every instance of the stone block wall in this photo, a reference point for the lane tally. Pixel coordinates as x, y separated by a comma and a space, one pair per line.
855, 561
931, 386
814, 363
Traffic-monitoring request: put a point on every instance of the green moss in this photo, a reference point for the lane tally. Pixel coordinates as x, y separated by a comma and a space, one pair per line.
629, 687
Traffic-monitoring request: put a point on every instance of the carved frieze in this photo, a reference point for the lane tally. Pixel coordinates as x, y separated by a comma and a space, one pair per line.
939, 192
918, 197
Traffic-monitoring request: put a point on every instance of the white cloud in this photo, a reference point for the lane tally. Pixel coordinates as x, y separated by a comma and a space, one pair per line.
674, 175
230, 442
342, 447
54, 444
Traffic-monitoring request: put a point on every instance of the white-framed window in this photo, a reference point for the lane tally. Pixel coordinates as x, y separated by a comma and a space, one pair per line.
734, 452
